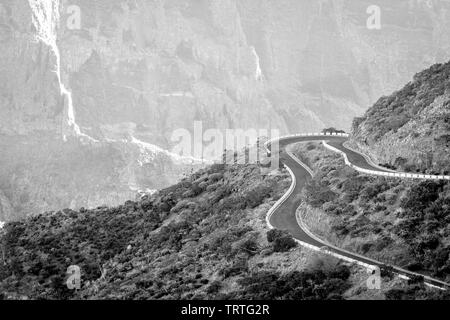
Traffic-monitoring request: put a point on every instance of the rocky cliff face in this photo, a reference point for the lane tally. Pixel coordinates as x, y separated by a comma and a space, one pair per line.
411, 128
74, 102
322, 64
49, 160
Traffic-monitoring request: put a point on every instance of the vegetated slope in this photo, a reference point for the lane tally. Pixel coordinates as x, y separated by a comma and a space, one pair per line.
205, 237
400, 222
410, 129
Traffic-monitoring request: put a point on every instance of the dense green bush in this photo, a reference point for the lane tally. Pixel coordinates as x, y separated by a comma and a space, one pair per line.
256, 195
214, 287
284, 244
281, 240
275, 234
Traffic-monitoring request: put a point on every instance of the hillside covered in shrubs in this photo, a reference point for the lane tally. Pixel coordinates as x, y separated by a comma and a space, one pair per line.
205, 237
410, 129
396, 221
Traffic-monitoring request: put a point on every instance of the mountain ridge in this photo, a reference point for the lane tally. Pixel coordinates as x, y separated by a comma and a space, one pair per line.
410, 128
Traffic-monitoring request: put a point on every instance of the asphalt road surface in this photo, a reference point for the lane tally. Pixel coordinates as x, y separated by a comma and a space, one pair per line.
284, 217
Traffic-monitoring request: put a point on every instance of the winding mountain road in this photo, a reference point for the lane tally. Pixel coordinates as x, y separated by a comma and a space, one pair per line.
283, 215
